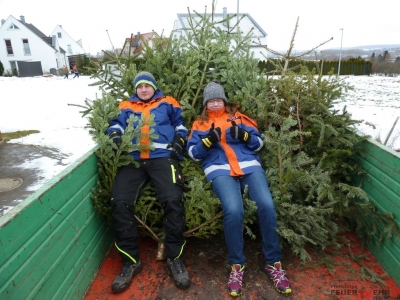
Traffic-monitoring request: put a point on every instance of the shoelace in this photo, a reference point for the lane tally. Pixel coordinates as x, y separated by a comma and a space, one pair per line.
236, 276
178, 265
125, 269
278, 274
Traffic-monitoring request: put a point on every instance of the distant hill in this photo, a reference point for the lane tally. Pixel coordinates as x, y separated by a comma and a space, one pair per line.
348, 52
370, 47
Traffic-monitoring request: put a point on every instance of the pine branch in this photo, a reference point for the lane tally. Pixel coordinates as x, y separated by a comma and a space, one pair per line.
155, 237
189, 232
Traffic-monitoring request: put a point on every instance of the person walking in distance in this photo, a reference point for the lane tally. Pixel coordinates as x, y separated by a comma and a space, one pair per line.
66, 72
75, 71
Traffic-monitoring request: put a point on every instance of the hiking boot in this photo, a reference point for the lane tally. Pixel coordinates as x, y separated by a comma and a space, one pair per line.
235, 280
277, 275
179, 272
124, 278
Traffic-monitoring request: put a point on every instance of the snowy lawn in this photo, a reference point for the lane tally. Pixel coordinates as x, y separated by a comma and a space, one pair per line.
376, 101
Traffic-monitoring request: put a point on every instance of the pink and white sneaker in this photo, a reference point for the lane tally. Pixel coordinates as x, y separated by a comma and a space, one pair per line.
277, 275
235, 280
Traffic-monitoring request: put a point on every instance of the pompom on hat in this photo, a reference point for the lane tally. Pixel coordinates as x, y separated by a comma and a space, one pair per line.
214, 90
145, 77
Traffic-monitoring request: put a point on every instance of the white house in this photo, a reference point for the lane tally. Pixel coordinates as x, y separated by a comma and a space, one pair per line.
25, 48
246, 24
67, 43
23, 42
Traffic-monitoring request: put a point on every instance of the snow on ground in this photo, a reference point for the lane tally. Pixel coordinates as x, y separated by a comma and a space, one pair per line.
42, 103
376, 101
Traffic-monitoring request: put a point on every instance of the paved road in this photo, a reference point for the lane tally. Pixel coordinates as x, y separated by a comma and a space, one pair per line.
12, 173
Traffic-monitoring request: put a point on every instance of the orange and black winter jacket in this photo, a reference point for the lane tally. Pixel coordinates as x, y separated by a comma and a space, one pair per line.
228, 157
168, 123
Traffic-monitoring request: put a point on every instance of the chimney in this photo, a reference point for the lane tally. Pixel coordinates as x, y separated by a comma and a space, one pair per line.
2, 21
53, 40
136, 41
22, 19
224, 13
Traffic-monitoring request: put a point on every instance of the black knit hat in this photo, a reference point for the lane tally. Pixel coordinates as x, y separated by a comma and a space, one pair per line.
214, 90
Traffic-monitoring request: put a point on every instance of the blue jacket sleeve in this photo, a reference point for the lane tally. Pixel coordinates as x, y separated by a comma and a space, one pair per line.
118, 124
178, 121
195, 147
257, 141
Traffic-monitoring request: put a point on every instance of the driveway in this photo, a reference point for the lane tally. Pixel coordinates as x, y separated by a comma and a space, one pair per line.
17, 181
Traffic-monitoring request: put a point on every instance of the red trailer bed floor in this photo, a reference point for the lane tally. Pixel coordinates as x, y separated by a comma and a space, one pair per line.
206, 262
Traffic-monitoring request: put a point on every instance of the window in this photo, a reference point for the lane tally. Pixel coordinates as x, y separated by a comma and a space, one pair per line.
9, 47
59, 35
27, 50
69, 49
13, 27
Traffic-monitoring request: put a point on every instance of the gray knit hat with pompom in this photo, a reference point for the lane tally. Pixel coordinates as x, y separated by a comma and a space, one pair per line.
214, 90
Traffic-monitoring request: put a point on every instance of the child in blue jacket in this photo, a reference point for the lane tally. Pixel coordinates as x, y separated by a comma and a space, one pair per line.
226, 142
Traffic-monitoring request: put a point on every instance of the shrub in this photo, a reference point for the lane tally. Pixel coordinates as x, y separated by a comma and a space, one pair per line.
1, 68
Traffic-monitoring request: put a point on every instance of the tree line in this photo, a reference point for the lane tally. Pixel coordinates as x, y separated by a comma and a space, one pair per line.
351, 66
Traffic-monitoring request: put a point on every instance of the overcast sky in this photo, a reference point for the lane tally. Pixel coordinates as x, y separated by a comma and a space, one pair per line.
363, 22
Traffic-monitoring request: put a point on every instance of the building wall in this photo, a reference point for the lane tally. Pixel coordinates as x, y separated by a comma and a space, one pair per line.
40, 50
146, 37
66, 40
245, 25
61, 56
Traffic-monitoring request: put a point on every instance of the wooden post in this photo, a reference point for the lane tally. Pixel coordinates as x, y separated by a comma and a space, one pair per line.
391, 130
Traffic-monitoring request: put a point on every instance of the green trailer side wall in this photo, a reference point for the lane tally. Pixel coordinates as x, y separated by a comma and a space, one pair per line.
52, 244
382, 184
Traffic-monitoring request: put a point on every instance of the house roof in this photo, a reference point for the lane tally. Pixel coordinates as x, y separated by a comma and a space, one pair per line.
246, 22
59, 28
138, 37
35, 30
136, 41
31, 27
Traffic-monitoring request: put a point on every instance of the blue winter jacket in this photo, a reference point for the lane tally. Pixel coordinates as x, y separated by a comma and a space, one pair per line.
168, 120
227, 157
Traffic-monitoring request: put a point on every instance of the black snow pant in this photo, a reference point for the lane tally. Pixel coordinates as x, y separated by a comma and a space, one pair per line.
127, 187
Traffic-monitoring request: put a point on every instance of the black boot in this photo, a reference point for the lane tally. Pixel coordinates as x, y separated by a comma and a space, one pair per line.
124, 278
179, 272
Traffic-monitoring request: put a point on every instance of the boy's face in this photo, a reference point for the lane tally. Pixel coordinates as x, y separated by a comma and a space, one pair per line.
145, 91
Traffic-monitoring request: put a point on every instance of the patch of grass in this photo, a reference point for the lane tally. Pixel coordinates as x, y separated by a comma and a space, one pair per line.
17, 134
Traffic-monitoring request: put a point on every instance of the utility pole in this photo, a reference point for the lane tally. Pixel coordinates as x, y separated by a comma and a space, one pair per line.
238, 30
340, 53
237, 16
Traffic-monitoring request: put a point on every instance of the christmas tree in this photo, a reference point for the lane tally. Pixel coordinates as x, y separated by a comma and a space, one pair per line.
309, 152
